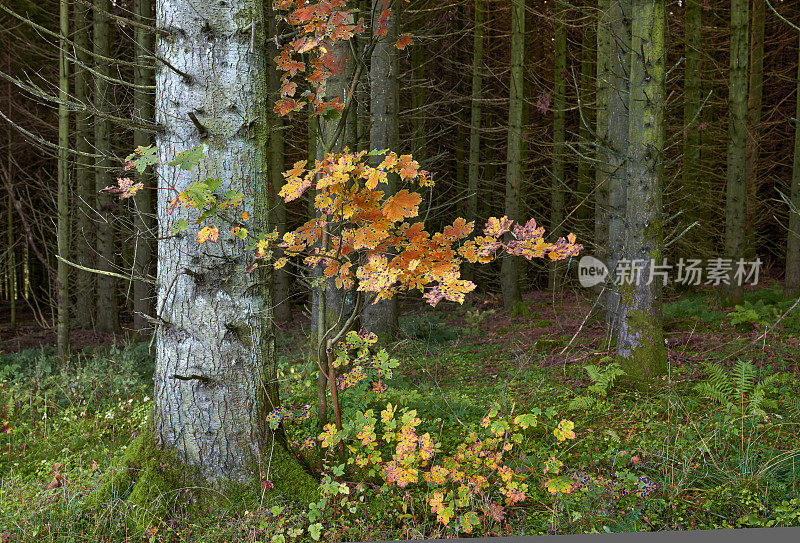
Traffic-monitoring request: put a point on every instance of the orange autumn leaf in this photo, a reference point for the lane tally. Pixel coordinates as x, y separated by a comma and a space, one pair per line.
408, 167
403, 41
288, 105
208, 233
245, 216
402, 205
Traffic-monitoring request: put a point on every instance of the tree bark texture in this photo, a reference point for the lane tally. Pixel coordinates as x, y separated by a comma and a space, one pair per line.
509, 272
736, 188
215, 376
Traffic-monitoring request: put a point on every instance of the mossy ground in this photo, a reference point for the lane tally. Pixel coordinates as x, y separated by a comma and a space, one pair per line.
710, 473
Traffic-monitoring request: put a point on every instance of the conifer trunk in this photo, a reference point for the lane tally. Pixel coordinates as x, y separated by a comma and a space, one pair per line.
509, 273
63, 229
736, 190
84, 182
640, 339
559, 135
692, 95
793, 240
602, 172
619, 14
107, 313
473, 176
586, 119
754, 99
143, 223
381, 318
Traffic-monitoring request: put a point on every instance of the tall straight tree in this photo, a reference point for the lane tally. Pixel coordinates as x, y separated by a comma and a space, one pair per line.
587, 94
107, 313
754, 99
215, 377
143, 108
473, 175
381, 318
640, 338
277, 148
509, 273
619, 14
84, 182
559, 133
692, 94
736, 190
793, 240
602, 172
62, 280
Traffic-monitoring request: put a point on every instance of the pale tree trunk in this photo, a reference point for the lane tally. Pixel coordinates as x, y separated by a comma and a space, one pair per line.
215, 378
381, 318
143, 223
473, 177
62, 281
620, 12
107, 314
640, 339
602, 172
754, 99
736, 192
509, 272
793, 241
84, 181
559, 135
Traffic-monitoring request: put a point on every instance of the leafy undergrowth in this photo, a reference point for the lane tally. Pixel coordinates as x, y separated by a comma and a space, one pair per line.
716, 446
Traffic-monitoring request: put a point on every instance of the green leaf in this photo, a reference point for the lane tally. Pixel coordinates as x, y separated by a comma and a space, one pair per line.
189, 158
180, 226
315, 531
213, 184
143, 157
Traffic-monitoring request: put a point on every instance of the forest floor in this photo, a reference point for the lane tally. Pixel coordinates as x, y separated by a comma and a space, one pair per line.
714, 446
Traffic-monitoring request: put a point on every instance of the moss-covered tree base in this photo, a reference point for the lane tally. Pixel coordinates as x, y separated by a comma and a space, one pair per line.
147, 485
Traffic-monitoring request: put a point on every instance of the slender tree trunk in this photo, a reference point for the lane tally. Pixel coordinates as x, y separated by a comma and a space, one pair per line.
143, 223
11, 268
215, 379
756, 91
419, 97
602, 172
84, 182
793, 241
107, 312
381, 318
620, 12
692, 95
332, 309
736, 193
509, 273
63, 186
640, 339
586, 119
559, 135
283, 307
473, 177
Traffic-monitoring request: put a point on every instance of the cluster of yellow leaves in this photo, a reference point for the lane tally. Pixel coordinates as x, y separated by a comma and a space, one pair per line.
358, 218
474, 477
